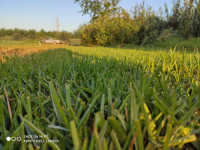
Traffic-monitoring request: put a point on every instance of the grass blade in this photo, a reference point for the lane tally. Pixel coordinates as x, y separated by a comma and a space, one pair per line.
57, 107
139, 135
2, 122
39, 132
8, 103
29, 110
115, 140
118, 129
74, 135
83, 120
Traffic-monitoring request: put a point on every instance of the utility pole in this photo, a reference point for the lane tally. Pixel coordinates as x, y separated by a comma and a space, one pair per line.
57, 25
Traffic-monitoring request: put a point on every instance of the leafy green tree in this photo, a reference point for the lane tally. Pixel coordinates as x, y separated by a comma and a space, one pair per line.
64, 36
142, 26
98, 8
19, 34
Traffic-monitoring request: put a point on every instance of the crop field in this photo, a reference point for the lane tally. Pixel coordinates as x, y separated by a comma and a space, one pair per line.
100, 98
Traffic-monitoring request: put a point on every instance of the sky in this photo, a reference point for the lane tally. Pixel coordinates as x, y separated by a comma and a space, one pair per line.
42, 14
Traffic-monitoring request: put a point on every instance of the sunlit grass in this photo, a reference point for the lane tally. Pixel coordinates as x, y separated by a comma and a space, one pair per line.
102, 98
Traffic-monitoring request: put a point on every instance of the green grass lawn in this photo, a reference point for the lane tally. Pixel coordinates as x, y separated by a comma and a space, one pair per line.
101, 98
179, 43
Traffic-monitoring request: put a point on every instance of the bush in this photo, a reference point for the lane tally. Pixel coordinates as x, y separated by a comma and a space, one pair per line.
143, 26
17, 36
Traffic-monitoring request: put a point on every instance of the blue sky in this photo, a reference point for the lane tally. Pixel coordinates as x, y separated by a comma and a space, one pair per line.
42, 14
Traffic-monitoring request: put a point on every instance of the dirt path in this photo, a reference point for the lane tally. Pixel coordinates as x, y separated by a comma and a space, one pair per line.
8, 51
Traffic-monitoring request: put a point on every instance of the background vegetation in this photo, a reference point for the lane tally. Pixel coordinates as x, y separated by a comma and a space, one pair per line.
21, 35
142, 25
112, 25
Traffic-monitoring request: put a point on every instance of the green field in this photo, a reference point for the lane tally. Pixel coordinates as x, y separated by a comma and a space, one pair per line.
101, 98
17, 42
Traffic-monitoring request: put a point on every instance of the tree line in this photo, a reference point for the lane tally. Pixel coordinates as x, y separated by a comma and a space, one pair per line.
20, 34
111, 24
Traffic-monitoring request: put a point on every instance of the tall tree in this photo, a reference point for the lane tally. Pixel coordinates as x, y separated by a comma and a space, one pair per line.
98, 8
